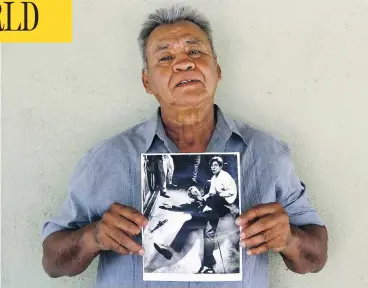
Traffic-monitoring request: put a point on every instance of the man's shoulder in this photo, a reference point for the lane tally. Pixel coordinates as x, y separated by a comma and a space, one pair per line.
224, 174
129, 142
260, 141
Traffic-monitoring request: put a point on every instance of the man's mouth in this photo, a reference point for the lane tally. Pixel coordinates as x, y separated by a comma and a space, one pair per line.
187, 82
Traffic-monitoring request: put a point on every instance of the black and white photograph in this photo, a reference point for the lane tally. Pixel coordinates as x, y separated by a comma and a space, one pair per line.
191, 202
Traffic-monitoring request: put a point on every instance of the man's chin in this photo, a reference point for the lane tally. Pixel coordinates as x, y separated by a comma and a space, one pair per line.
191, 100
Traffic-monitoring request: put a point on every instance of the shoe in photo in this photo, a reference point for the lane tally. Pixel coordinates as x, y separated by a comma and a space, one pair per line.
164, 250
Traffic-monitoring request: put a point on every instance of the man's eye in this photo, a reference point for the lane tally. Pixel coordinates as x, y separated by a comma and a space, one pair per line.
195, 52
166, 58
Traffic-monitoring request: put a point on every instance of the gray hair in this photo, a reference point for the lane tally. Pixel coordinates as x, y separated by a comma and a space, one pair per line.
170, 16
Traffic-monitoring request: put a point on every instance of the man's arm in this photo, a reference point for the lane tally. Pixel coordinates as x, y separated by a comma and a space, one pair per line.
180, 208
266, 227
211, 192
228, 189
68, 253
307, 249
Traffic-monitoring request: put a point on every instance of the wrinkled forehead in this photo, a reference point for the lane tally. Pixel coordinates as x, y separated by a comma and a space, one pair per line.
184, 32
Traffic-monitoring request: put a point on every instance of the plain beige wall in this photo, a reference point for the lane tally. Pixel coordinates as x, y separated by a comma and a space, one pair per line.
0, 155
298, 69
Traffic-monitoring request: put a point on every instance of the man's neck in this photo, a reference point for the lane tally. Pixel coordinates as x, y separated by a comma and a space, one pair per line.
190, 129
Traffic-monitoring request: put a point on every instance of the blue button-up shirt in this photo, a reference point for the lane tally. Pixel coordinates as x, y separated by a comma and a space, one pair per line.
110, 172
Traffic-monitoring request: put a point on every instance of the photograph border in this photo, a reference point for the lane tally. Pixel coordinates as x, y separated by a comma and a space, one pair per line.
187, 277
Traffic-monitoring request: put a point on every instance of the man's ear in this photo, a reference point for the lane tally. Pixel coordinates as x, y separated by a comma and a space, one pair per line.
219, 72
145, 81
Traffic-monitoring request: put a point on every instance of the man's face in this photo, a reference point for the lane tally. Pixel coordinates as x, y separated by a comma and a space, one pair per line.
181, 68
194, 193
215, 167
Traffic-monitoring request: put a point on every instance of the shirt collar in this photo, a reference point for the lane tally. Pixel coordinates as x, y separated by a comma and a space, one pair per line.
225, 127
149, 130
230, 123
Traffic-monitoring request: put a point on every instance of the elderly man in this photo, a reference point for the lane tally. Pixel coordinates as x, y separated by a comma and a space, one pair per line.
100, 215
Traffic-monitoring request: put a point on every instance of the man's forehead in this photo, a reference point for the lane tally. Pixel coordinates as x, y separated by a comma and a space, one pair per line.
167, 42
166, 35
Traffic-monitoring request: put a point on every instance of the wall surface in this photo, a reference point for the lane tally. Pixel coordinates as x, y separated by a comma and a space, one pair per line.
0, 153
297, 69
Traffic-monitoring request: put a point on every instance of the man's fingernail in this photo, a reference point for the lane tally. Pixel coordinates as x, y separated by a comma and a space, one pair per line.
237, 221
242, 235
249, 252
141, 252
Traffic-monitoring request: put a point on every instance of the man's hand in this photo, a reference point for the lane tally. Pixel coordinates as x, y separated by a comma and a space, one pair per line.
166, 205
117, 227
264, 227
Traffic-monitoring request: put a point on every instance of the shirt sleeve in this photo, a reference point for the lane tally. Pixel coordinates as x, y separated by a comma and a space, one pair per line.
212, 190
292, 194
75, 212
229, 191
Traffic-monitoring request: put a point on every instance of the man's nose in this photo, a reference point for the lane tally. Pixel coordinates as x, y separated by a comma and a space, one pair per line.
183, 65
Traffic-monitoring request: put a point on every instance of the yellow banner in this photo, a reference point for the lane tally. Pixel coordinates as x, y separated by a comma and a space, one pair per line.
36, 21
